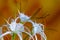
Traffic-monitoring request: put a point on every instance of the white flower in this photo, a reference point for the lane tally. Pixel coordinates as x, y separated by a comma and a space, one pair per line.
19, 27
39, 29
16, 28
12, 26
23, 17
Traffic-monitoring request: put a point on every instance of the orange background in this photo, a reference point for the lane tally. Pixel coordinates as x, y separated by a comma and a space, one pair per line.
8, 8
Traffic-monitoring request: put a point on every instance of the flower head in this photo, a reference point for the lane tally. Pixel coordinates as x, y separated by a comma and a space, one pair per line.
23, 17
38, 29
16, 27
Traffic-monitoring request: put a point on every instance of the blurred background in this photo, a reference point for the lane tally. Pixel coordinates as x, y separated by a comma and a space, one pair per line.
8, 8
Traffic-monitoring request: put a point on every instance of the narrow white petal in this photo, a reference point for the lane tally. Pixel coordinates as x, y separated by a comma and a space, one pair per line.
35, 36
19, 36
5, 34
29, 35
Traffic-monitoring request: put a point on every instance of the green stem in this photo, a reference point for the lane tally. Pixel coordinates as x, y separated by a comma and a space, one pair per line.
13, 36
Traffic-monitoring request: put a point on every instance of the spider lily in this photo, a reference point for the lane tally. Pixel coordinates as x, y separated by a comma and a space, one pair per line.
37, 28
13, 29
23, 17
17, 28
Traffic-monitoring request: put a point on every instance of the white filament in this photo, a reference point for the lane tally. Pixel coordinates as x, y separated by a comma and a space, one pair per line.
43, 35
29, 35
16, 19
5, 34
6, 27
20, 37
27, 29
36, 37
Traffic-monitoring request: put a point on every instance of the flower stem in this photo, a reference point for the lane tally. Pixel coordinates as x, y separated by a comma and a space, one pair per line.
13, 36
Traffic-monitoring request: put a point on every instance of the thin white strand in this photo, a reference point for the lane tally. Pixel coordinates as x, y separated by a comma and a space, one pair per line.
6, 21
7, 27
18, 11
36, 37
42, 26
43, 35
5, 34
19, 36
29, 35
16, 19
27, 29
8, 18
